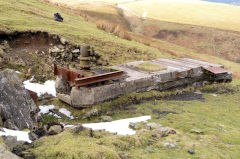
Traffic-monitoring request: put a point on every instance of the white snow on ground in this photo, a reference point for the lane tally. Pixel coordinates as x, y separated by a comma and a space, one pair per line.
144, 15
21, 135
66, 112
44, 109
118, 126
48, 87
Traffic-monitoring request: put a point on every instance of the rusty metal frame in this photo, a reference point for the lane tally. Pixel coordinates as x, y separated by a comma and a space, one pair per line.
97, 78
33, 95
81, 80
66, 74
216, 70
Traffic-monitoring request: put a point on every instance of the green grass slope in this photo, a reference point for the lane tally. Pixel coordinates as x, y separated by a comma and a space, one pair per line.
217, 116
36, 15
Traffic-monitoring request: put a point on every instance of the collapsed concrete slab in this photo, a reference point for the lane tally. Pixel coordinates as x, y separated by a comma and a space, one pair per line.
175, 73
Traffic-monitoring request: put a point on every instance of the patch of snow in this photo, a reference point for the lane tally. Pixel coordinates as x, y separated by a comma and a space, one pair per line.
45, 108
21, 135
18, 72
144, 15
118, 126
48, 87
66, 112
215, 95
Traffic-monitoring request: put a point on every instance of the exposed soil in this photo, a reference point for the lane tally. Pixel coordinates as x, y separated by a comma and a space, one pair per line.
222, 43
186, 96
32, 53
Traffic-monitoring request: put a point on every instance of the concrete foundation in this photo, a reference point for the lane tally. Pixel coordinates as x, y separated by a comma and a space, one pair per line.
178, 73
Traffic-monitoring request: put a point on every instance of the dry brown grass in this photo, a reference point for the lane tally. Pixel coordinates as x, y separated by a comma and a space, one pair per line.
110, 27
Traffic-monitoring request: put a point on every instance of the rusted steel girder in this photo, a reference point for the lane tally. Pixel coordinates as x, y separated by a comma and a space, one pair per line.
97, 78
33, 95
216, 70
66, 74
81, 80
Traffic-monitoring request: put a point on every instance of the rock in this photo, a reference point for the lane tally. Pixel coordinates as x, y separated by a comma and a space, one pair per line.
62, 86
13, 96
163, 131
76, 51
196, 131
63, 41
60, 47
151, 126
106, 118
78, 129
134, 126
32, 136
191, 152
55, 49
1, 122
11, 141
5, 154
54, 130
9, 124
93, 112
170, 145
1, 53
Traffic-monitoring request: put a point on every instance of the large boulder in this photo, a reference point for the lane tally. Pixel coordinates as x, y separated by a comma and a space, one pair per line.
6, 154
17, 109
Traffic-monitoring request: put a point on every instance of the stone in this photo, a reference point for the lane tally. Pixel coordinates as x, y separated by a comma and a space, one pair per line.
106, 118
62, 86
11, 141
5, 154
169, 145
63, 41
77, 129
76, 51
55, 49
1, 122
54, 130
93, 112
197, 131
9, 124
32, 136
133, 126
162, 132
151, 126
13, 96
1, 53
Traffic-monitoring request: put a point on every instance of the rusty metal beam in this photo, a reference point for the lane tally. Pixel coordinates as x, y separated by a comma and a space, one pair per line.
97, 78
33, 95
216, 70
66, 74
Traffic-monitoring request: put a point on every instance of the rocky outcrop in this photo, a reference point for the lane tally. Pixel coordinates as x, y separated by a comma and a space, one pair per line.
17, 109
5, 154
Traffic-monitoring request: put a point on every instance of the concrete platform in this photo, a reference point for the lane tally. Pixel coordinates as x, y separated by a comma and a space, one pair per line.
177, 73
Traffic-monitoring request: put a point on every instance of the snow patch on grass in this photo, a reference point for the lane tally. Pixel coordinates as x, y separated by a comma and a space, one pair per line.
48, 87
21, 135
118, 126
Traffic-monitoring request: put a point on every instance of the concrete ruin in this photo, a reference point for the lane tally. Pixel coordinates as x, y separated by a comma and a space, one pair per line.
176, 73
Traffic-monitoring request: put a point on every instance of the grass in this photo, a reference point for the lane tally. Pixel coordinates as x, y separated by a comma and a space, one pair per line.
37, 15
146, 66
217, 117
220, 16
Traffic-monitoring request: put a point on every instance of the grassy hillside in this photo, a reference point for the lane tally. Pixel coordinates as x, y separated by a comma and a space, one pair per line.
201, 13
37, 15
216, 115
